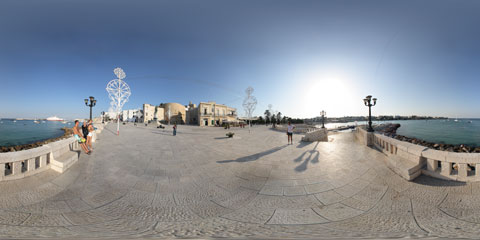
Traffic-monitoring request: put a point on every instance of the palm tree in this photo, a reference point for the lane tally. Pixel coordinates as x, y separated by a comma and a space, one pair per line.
279, 117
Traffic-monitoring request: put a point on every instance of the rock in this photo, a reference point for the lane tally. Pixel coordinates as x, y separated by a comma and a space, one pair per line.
436, 145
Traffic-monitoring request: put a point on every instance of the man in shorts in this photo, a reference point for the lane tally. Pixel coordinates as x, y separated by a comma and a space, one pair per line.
79, 137
290, 128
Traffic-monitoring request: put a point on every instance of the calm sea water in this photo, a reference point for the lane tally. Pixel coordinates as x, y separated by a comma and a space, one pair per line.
26, 131
463, 131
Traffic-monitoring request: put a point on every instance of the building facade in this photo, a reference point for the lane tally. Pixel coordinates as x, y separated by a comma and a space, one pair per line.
131, 115
213, 114
165, 113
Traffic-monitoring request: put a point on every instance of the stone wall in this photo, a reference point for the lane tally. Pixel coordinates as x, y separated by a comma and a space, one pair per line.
410, 160
58, 156
317, 135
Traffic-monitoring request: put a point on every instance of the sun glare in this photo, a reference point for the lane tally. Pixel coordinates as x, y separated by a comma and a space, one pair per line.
329, 92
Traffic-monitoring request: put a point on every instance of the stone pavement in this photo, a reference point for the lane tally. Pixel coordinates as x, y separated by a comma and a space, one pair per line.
147, 183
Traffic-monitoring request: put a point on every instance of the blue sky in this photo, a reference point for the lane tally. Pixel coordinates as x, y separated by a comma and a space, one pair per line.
416, 57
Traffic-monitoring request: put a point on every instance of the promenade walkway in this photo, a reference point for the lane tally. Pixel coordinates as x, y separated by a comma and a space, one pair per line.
147, 183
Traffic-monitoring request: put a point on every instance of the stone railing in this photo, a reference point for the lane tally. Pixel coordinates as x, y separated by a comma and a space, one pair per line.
16, 165
463, 167
58, 156
320, 134
410, 160
298, 129
403, 158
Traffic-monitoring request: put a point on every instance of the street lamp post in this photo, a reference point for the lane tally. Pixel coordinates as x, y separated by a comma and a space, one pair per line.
93, 101
368, 102
103, 117
323, 113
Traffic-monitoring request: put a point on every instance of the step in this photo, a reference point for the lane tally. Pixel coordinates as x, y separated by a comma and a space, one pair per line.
65, 161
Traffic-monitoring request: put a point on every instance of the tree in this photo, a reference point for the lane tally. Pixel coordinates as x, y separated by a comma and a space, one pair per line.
279, 117
273, 120
267, 116
260, 120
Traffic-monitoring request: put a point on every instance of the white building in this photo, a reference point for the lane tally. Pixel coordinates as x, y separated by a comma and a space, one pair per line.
131, 115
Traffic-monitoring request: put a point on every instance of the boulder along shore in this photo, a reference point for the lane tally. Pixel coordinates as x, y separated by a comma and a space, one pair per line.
67, 133
391, 131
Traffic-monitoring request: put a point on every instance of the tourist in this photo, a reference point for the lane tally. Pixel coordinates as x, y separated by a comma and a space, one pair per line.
85, 129
79, 137
290, 128
90, 134
175, 129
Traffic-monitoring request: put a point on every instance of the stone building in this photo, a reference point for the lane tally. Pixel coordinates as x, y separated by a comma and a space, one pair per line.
174, 113
165, 113
192, 114
212, 114
148, 112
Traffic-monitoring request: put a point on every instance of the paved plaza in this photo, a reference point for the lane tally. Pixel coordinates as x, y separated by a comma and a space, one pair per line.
147, 183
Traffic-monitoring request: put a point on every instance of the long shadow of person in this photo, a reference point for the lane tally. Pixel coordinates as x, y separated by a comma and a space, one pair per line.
311, 156
255, 156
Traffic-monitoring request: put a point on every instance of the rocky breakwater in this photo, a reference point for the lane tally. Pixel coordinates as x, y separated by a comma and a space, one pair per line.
391, 131
67, 133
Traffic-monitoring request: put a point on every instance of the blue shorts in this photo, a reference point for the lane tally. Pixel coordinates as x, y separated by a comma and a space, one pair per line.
289, 133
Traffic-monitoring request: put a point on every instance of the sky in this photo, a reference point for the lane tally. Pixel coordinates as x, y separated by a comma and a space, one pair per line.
416, 57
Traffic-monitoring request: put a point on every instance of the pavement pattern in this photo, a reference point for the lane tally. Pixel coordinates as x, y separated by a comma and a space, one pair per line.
147, 183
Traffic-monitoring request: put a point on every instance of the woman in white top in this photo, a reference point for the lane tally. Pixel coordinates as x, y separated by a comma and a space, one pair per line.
290, 128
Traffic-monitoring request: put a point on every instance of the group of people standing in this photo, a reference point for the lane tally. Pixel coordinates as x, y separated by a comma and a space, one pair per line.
84, 137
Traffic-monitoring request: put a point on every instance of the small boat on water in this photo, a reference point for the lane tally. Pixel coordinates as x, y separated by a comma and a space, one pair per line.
37, 122
55, 118
14, 121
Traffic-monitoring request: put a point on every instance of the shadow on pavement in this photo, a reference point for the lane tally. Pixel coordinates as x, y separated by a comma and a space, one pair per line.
303, 144
430, 181
255, 156
114, 133
312, 157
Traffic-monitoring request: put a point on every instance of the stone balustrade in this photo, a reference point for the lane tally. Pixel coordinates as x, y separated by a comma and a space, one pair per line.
463, 167
58, 156
316, 135
410, 160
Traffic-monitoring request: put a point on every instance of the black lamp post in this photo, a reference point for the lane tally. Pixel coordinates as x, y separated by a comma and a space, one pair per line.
92, 104
368, 103
103, 117
323, 113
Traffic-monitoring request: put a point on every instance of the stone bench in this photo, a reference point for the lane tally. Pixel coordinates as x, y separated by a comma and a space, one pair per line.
64, 161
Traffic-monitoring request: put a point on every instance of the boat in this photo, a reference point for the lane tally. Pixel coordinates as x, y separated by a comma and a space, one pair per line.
64, 122
14, 121
36, 121
55, 118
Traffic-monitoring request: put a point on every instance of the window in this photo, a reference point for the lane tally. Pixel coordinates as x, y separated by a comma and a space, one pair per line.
205, 111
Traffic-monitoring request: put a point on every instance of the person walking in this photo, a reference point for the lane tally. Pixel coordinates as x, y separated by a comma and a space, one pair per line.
290, 128
175, 129
79, 137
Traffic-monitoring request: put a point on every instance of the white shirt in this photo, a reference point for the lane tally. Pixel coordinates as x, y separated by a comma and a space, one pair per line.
290, 128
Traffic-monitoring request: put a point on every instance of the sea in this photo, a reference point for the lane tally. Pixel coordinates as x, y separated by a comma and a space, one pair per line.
19, 132
447, 131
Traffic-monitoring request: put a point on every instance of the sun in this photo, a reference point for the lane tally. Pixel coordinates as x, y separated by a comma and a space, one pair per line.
329, 92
